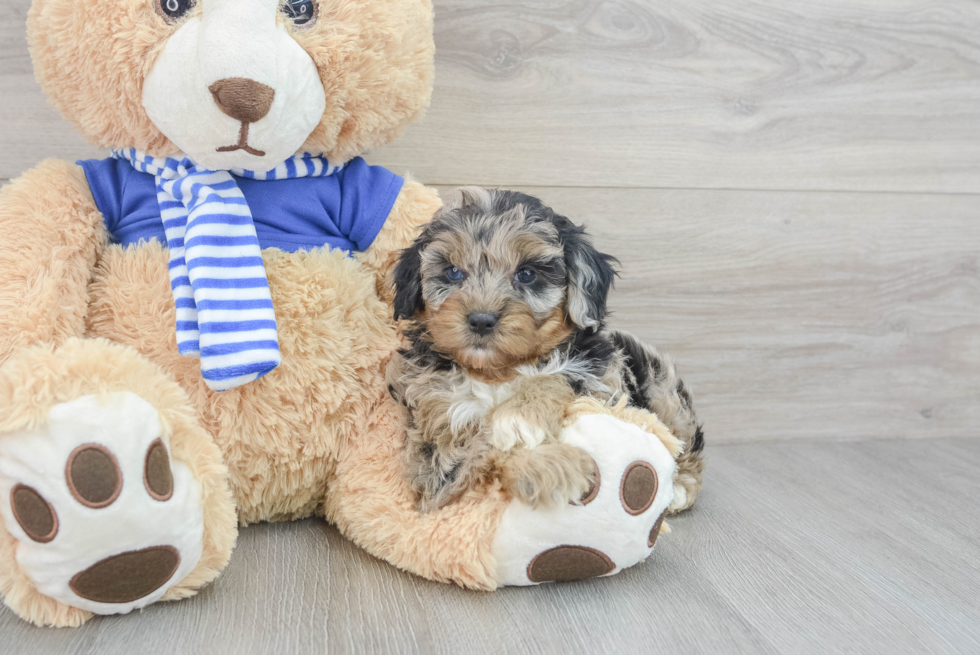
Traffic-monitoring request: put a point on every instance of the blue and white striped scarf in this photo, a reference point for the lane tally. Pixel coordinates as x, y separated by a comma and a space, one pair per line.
224, 308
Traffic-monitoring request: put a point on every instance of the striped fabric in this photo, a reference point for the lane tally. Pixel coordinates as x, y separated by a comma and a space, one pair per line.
224, 308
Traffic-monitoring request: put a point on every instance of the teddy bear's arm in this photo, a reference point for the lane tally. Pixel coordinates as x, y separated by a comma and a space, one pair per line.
51, 234
413, 208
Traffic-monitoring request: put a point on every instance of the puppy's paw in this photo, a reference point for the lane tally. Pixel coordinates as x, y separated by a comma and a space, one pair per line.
510, 429
549, 475
686, 488
440, 475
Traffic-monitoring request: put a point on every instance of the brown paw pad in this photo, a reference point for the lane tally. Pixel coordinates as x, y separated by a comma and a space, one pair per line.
157, 476
593, 489
128, 576
655, 530
34, 514
93, 476
638, 487
568, 563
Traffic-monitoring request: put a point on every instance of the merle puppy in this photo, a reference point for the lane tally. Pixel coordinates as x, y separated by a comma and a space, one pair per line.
506, 303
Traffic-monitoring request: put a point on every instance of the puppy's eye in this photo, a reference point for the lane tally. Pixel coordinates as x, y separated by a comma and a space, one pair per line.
301, 12
525, 275
173, 10
454, 274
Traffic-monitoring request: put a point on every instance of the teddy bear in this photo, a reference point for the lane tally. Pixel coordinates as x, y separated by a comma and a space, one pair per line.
194, 330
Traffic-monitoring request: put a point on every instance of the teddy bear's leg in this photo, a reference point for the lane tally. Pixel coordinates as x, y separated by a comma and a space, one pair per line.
51, 234
372, 504
112, 495
616, 523
485, 540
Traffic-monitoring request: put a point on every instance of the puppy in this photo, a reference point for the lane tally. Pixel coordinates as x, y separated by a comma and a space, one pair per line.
506, 305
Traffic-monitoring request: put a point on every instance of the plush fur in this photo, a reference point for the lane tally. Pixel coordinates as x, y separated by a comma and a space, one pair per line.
334, 335
507, 303
67, 297
371, 504
50, 243
374, 60
37, 378
280, 437
320, 434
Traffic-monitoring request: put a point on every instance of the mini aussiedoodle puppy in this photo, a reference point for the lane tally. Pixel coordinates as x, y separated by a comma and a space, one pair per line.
506, 303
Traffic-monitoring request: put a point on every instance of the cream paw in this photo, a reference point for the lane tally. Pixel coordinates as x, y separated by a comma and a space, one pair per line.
616, 523
105, 520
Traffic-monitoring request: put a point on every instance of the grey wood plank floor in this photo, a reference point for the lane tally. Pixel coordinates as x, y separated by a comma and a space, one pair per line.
801, 547
794, 192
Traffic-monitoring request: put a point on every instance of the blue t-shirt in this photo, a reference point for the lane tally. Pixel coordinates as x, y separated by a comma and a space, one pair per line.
345, 210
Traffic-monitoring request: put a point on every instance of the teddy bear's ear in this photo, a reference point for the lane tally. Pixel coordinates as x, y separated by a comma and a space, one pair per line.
408, 279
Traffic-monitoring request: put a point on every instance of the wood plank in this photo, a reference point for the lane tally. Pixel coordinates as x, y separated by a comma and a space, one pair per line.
829, 94
794, 548
31, 130
801, 315
34, 131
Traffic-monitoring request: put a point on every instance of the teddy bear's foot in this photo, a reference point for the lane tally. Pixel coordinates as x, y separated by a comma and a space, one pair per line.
104, 520
106, 502
485, 539
616, 523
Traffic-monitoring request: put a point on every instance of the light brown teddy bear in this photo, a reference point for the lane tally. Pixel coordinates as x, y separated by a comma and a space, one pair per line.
194, 331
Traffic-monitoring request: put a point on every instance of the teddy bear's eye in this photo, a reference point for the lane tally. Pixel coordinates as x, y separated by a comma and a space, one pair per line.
173, 10
301, 12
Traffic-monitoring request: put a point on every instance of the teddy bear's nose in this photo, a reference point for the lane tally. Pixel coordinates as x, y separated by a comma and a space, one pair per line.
243, 99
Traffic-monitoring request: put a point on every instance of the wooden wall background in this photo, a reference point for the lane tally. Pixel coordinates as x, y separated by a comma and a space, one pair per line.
793, 188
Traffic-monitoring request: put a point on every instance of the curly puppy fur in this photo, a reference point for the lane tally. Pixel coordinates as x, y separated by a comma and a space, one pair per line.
506, 303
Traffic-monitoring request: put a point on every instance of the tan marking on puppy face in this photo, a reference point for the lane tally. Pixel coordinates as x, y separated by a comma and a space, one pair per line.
553, 331
507, 267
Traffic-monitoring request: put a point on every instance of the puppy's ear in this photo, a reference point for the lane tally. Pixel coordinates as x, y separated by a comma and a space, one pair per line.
408, 280
590, 275
468, 196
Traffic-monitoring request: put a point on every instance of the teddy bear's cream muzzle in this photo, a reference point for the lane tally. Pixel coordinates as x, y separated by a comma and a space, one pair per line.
233, 89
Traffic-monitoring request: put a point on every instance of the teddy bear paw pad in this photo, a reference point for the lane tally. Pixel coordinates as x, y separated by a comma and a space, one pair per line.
614, 525
104, 518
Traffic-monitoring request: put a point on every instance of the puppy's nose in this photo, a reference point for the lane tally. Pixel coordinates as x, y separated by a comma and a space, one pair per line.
243, 99
482, 323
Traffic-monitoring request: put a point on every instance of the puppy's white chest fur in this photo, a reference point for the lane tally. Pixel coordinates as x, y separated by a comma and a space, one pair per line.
473, 400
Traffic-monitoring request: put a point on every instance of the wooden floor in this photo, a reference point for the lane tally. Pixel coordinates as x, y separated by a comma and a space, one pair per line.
794, 192
798, 547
